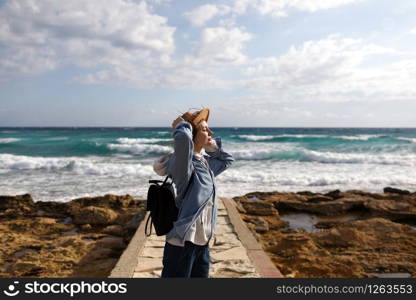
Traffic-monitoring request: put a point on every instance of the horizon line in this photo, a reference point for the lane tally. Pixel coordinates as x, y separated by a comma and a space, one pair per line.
282, 127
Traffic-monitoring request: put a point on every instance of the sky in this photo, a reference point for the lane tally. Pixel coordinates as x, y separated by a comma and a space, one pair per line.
254, 63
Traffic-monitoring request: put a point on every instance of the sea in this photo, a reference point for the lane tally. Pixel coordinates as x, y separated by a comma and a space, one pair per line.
60, 164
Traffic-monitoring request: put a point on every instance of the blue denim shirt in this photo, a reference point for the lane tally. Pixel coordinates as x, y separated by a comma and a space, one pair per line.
194, 182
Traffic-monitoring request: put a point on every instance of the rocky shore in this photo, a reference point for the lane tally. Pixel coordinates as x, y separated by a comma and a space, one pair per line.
80, 238
337, 234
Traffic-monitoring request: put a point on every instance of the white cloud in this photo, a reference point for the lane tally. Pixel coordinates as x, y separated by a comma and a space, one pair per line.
49, 33
281, 8
202, 14
178, 76
327, 58
223, 45
159, 2
124, 42
278, 8
333, 69
413, 31
217, 50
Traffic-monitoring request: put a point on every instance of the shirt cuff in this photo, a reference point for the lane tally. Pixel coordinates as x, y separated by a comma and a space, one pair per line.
214, 147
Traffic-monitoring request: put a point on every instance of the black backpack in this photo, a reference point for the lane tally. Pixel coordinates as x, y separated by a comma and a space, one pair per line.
162, 207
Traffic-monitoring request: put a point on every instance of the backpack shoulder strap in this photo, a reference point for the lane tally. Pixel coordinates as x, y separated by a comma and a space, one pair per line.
149, 218
166, 179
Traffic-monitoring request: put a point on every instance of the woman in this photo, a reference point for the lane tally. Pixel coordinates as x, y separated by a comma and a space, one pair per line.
186, 252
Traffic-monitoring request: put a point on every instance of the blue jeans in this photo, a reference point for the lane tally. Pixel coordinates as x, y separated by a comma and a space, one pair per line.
188, 261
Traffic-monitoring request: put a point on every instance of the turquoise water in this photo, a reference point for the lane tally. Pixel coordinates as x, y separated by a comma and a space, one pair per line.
63, 163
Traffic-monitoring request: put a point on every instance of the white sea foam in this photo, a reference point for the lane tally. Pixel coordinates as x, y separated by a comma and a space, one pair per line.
257, 137
140, 145
58, 138
405, 159
360, 137
84, 167
140, 148
270, 137
301, 136
413, 140
258, 151
20, 162
254, 155
297, 176
96, 176
134, 141
9, 140
75, 165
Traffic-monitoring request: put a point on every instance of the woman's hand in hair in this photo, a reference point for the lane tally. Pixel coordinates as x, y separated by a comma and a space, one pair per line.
176, 122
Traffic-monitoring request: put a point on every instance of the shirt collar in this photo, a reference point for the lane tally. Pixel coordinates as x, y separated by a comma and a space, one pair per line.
200, 154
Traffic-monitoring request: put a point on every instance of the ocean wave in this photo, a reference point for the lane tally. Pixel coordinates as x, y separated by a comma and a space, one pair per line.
413, 140
74, 165
262, 151
256, 137
58, 138
20, 162
8, 131
140, 148
296, 153
259, 154
312, 174
132, 141
302, 136
9, 140
361, 158
360, 137
84, 167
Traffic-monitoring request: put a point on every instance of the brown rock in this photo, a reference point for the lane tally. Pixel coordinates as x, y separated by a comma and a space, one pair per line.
334, 207
16, 202
306, 193
336, 194
135, 220
53, 209
392, 209
346, 247
14, 206
320, 198
69, 241
24, 266
86, 227
45, 221
114, 230
395, 191
260, 208
261, 225
94, 215
111, 242
109, 201
41, 239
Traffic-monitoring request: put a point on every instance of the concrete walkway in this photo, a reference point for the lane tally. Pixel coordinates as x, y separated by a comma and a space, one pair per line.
234, 251
228, 255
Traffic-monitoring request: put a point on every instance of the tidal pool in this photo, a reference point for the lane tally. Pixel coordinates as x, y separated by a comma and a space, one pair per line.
308, 221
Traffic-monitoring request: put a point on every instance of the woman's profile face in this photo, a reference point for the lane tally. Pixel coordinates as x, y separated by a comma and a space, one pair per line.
203, 135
